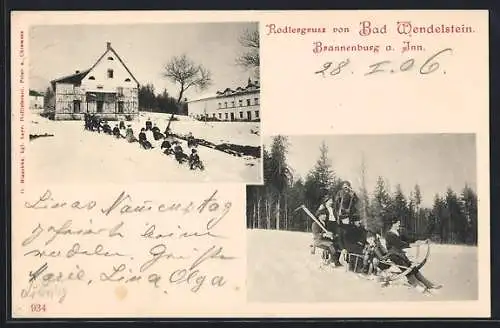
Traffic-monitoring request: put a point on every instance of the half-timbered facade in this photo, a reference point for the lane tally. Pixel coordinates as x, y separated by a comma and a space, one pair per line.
107, 89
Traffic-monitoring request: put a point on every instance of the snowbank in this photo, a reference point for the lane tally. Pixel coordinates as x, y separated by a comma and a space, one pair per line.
76, 155
282, 269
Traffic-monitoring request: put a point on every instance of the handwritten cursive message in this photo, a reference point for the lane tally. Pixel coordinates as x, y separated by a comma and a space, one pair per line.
167, 247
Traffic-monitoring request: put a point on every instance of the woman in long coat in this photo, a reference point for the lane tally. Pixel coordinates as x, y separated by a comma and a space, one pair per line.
395, 247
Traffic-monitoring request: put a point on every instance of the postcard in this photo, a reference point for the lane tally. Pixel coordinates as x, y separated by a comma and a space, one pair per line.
250, 164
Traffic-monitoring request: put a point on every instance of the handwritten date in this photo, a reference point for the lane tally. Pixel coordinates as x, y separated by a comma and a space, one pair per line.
429, 66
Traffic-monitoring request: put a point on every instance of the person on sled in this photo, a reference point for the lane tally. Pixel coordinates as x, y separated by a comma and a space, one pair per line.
167, 146
190, 140
129, 134
194, 160
326, 211
106, 128
149, 124
143, 140
179, 154
395, 248
373, 252
116, 132
157, 135
324, 240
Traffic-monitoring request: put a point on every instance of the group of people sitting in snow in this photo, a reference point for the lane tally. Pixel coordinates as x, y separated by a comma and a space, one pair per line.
169, 146
341, 232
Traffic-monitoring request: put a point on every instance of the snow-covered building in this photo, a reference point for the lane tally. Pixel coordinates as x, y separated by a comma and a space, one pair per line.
240, 104
36, 100
107, 89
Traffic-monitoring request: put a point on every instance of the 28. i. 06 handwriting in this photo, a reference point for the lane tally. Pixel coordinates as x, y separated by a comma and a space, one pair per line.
429, 66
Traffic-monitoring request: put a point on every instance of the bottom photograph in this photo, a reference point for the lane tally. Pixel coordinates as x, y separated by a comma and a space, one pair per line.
364, 218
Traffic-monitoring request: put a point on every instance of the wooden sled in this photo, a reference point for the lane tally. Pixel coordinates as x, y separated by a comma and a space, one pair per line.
353, 261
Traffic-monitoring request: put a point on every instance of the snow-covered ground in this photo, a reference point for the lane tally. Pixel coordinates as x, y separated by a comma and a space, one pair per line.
76, 155
238, 133
282, 269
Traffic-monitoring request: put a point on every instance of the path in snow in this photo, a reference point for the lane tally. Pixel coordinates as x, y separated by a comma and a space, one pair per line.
282, 269
76, 155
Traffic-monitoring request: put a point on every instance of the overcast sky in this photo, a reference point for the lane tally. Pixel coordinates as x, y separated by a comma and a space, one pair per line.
56, 51
434, 161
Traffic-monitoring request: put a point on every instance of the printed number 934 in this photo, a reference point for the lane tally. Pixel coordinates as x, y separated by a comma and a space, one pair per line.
38, 307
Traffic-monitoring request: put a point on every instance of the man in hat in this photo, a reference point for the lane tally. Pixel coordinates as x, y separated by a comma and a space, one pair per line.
345, 204
331, 223
129, 134
324, 240
149, 124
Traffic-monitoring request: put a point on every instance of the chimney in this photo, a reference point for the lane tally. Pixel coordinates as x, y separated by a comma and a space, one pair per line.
108, 45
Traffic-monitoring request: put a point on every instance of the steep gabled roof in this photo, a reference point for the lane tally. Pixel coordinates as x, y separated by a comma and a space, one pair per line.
78, 77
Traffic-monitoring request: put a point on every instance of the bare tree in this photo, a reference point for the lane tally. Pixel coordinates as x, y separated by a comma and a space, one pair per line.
187, 74
250, 58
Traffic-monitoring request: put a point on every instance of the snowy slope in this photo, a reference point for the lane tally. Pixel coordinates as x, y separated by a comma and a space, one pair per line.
282, 269
74, 154
238, 133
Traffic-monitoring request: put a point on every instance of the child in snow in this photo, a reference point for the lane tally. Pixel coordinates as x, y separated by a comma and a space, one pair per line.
105, 128
167, 146
143, 140
179, 154
116, 132
129, 134
149, 124
157, 135
194, 160
190, 140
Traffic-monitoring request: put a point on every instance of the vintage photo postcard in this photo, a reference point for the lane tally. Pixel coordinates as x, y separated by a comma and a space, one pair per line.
144, 102
147, 181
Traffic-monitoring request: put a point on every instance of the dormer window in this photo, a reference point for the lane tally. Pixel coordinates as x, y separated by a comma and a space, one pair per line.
110, 73
91, 78
127, 80
110, 58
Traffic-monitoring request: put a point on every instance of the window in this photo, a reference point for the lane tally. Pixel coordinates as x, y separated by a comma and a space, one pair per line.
100, 105
256, 101
99, 87
120, 107
241, 114
249, 115
127, 80
226, 116
225, 104
110, 73
76, 106
213, 115
220, 116
91, 78
241, 102
110, 58
232, 103
119, 91
220, 105
248, 102
256, 114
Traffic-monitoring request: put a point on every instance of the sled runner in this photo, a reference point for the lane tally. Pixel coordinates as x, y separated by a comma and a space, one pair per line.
387, 271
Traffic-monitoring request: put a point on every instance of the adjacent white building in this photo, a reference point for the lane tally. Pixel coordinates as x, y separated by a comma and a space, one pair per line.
36, 100
240, 104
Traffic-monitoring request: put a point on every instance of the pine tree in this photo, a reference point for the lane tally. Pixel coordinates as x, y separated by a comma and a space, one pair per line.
364, 203
469, 208
320, 180
380, 206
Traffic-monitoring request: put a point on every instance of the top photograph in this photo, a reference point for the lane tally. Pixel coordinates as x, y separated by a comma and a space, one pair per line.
144, 103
